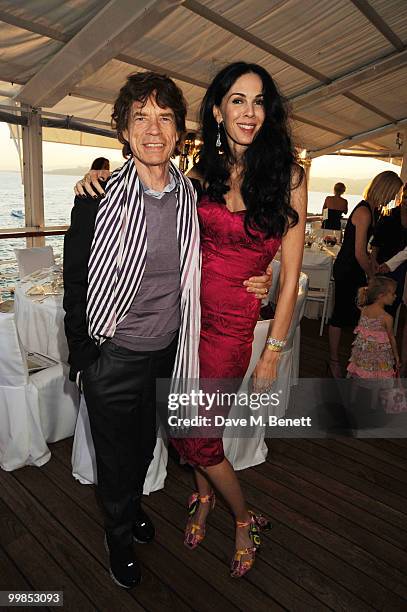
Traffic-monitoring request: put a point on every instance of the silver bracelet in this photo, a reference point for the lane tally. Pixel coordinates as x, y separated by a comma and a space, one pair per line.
275, 344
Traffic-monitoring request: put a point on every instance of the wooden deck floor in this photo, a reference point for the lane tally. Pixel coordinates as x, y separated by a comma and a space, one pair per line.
339, 537
338, 541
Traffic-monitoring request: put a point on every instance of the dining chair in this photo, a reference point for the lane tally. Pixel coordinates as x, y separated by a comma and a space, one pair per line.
35, 258
83, 456
319, 277
244, 452
35, 408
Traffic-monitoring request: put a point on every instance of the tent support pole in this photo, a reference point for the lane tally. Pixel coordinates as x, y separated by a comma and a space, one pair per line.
33, 178
403, 173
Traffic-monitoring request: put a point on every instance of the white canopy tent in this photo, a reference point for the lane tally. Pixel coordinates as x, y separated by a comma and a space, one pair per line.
342, 65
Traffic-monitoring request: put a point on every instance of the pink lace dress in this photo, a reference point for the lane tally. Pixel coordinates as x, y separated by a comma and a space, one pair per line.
372, 355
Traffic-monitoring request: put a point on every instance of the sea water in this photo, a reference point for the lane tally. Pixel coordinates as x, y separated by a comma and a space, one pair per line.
58, 201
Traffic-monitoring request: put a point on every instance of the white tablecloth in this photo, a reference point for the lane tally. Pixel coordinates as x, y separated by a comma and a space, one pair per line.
313, 257
40, 324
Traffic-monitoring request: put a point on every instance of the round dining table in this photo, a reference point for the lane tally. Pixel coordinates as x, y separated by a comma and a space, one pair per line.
40, 317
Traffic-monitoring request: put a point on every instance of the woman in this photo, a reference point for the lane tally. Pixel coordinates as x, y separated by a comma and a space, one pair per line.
390, 233
255, 200
353, 263
333, 208
390, 237
100, 163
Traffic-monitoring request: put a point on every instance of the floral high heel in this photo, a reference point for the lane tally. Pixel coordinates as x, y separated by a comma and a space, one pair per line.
194, 533
256, 524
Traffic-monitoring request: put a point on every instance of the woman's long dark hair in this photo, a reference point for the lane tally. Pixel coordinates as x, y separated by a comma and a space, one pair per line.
269, 161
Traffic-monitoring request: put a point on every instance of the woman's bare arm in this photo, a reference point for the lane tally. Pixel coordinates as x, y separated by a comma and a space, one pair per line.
361, 220
292, 249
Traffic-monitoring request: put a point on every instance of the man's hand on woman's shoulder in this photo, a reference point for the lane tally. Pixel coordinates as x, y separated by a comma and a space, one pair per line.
90, 186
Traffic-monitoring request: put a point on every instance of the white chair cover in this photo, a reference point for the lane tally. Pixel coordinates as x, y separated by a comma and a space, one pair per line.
41, 325
319, 276
21, 439
13, 368
84, 460
58, 402
30, 260
247, 452
289, 361
34, 409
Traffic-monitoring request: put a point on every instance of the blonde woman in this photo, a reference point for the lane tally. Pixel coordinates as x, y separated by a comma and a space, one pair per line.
353, 264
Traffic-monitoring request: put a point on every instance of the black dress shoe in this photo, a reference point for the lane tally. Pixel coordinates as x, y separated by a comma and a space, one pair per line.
143, 528
124, 568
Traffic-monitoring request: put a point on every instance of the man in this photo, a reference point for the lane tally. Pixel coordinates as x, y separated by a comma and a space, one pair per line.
394, 262
399, 262
131, 277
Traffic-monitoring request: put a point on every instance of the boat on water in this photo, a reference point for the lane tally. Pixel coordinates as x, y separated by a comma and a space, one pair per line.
17, 213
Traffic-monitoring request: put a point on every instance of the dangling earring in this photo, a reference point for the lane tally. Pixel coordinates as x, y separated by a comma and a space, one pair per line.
218, 143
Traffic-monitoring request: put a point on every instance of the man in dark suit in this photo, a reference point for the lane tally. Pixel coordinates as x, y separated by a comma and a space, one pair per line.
119, 341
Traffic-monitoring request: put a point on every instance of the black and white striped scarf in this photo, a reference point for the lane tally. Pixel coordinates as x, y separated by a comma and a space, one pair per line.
118, 259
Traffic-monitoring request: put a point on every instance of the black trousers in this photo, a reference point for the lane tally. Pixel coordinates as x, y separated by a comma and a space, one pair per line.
399, 275
120, 394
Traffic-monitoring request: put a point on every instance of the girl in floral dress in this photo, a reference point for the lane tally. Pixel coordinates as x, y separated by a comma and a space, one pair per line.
374, 351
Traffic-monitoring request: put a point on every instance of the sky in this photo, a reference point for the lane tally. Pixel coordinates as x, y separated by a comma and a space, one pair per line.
54, 155
57, 156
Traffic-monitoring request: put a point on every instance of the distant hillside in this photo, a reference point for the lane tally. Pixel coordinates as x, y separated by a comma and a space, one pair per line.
80, 171
326, 184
